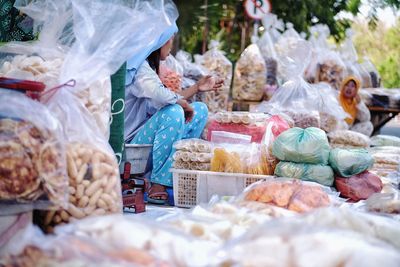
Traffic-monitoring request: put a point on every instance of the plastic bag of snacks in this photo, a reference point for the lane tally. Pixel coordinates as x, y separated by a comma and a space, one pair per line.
366, 128
358, 187
251, 159
348, 139
290, 194
32, 155
330, 68
302, 146
94, 182
304, 102
249, 77
385, 140
294, 242
61, 44
192, 154
221, 68
321, 174
171, 74
349, 162
220, 137
388, 203
253, 124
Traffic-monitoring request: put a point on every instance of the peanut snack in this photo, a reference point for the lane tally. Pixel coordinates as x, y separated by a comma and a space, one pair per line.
94, 186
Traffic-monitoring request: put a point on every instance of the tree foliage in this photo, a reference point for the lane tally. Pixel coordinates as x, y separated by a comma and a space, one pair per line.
225, 19
382, 47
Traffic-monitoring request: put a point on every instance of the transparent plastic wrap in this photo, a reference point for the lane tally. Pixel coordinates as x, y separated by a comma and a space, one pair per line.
192, 154
167, 245
291, 242
238, 117
346, 138
309, 105
385, 140
358, 187
32, 154
367, 65
349, 162
387, 203
349, 55
321, 174
190, 69
221, 137
83, 41
272, 26
13, 230
363, 113
194, 145
367, 224
366, 128
330, 68
249, 77
171, 73
94, 182
221, 68
223, 221
250, 159
302, 146
253, 124
290, 194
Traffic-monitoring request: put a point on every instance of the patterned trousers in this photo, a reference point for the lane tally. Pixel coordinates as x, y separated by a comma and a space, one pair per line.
163, 129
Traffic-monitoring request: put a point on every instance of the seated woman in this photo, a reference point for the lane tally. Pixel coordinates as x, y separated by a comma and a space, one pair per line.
156, 115
359, 115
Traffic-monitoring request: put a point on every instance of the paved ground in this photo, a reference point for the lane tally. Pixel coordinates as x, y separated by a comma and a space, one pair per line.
391, 130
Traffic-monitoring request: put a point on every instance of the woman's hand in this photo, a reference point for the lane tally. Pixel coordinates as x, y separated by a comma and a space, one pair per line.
209, 83
187, 109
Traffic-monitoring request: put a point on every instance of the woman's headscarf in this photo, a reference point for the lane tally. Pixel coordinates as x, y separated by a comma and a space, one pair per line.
137, 60
349, 105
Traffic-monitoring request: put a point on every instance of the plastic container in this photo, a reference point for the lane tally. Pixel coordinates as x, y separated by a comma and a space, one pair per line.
194, 187
137, 156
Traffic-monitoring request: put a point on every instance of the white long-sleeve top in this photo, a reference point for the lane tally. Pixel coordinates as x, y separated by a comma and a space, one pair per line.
144, 97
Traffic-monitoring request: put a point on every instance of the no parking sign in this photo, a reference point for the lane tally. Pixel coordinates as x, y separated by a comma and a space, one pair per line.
257, 9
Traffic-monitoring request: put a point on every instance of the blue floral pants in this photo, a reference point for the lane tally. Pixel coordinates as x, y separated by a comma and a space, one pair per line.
163, 129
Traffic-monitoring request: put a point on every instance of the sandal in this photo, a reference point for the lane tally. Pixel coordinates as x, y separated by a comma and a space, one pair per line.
160, 197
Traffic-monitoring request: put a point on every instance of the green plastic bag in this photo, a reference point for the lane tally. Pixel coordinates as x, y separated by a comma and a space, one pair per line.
318, 173
385, 140
302, 146
349, 162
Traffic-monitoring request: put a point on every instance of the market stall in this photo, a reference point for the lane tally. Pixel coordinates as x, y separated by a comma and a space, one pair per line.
288, 184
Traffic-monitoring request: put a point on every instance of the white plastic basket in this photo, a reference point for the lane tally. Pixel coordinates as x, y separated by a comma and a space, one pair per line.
195, 187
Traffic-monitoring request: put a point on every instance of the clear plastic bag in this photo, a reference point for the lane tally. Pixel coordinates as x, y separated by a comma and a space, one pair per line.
375, 78
253, 124
291, 242
358, 187
302, 146
321, 174
266, 43
290, 194
251, 159
366, 128
171, 74
363, 113
349, 139
87, 36
388, 203
193, 145
93, 173
32, 154
220, 137
349, 162
190, 69
220, 67
385, 140
250, 75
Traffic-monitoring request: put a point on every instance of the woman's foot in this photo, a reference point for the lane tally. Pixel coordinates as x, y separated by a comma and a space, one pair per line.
157, 194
